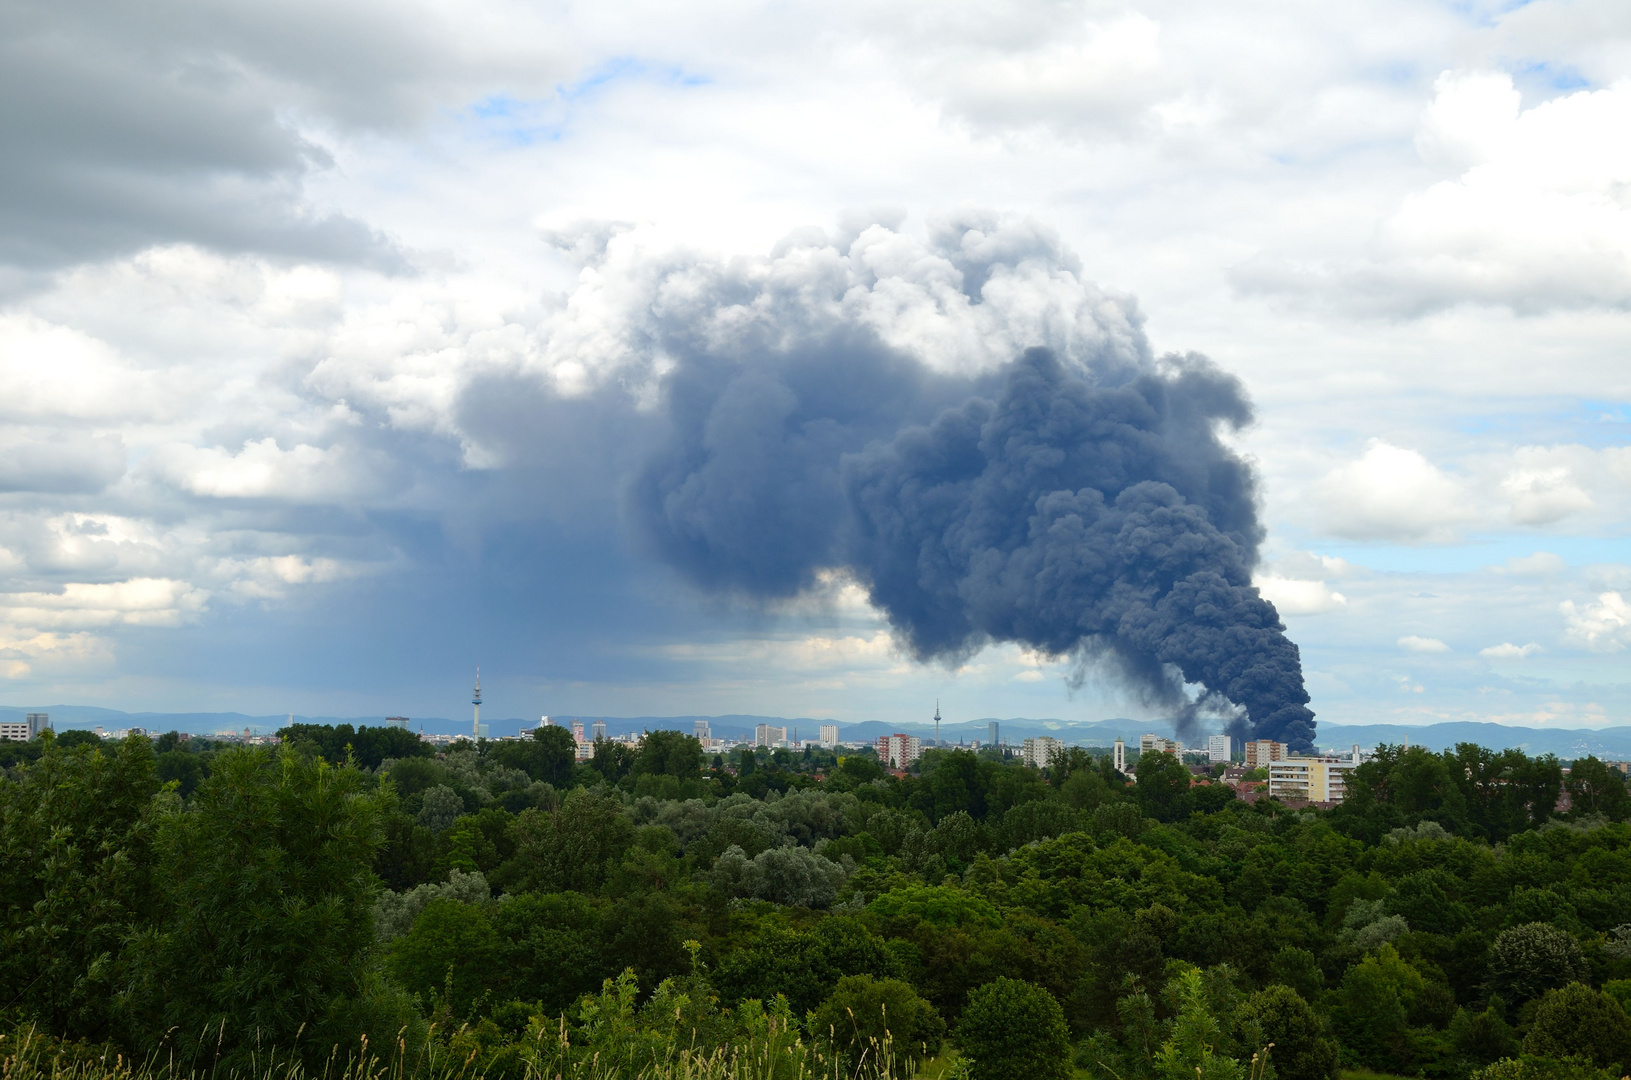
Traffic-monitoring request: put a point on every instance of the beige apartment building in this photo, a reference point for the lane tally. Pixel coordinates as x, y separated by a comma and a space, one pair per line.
1263, 751
1316, 779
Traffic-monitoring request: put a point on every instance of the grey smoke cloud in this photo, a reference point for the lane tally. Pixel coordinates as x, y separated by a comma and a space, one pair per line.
1081, 505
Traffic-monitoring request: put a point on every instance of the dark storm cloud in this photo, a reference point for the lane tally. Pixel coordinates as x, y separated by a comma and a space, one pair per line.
131, 125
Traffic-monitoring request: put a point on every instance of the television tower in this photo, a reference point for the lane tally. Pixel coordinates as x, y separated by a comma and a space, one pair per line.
937, 723
475, 700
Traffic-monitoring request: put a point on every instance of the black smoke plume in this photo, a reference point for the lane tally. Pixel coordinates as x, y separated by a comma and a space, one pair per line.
1083, 507
1078, 519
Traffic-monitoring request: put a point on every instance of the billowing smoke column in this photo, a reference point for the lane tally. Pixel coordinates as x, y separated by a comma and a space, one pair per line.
1074, 518
847, 406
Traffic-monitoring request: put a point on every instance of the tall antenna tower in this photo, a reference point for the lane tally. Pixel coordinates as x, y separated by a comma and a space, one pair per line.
937, 722
475, 700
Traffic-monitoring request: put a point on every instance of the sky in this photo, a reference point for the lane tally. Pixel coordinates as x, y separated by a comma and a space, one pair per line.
336, 338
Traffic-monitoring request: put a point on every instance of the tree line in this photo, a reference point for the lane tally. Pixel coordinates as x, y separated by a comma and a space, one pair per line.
215, 902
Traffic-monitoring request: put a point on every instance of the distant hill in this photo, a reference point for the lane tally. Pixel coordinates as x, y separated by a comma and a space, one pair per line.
1609, 743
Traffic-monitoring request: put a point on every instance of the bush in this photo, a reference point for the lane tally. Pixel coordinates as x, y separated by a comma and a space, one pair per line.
1302, 1048
1533, 1068
267, 892
1013, 1030
794, 876
1578, 1021
1526, 961
864, 1013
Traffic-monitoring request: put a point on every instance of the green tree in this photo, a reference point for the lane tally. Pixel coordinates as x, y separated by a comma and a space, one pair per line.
1192, 1047
367, 746
1298, 969
1162, 791
76, 874
1594, 788
1373, 1008
451, 949
572, 847
1577, 1021
1526, 961
1303, 1049
1013, 1030
864, 1013
267, 921
550, 755
181, 768
668, 753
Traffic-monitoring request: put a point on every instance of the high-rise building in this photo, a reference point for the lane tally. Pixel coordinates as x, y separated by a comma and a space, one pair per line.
1156, 744
702, 731
29, 728
1260, 752
599, 730
1040, 751
829, 736
898, 751
769, 735
397, 722
1218, 748
991, 733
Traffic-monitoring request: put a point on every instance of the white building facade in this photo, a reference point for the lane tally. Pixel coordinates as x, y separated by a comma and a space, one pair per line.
898, 751
1040, 751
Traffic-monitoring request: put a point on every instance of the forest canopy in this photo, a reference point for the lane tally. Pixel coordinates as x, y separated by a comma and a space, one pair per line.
1462, 913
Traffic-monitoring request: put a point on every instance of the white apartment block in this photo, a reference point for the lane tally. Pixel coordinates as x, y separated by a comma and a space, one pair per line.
1040, 751
769, 735
829, 736
1155, 743
1219, 748
898, 751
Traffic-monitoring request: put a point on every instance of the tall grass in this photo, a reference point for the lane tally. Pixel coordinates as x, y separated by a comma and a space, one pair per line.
775, 1052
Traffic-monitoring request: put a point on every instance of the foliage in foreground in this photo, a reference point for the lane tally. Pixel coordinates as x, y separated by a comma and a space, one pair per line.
221, 910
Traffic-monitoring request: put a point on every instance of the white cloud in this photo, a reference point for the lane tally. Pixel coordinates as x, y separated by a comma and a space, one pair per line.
1540, 564
263, 469
1508, 651
1412, 643
1534, 221
269, 577
1542, 496
1391, 493
51, 372
1295, 596
1604, 626
136, 602
1093, 73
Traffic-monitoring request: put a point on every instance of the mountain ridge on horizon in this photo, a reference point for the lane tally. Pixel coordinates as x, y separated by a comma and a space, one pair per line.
1612, 742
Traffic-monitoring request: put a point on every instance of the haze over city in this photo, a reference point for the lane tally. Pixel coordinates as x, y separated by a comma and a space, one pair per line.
345, 347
